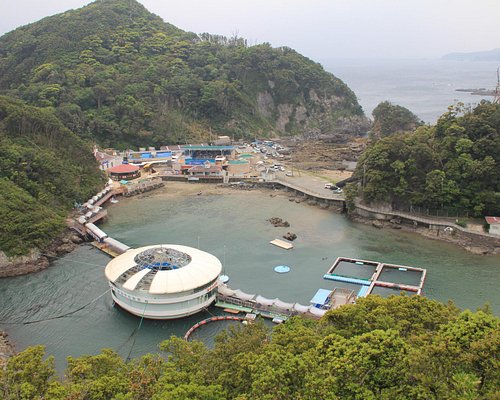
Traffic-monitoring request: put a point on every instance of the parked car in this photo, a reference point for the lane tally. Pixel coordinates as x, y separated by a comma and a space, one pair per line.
333, 187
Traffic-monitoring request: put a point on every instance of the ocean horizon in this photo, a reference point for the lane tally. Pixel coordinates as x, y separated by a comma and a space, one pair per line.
427, 87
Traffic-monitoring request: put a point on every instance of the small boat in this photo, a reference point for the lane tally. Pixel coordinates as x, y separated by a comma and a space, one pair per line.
113, 200
224, 278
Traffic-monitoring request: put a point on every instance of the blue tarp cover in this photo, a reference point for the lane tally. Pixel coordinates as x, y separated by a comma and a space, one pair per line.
321, 296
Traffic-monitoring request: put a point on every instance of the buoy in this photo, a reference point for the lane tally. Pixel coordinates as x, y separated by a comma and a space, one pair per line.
282, 269
224, 278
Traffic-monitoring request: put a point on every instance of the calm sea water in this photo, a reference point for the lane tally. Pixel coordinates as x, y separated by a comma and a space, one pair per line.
426, 87
233, 227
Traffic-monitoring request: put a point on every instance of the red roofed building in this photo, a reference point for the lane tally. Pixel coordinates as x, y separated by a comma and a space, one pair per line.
124, 171
494, 223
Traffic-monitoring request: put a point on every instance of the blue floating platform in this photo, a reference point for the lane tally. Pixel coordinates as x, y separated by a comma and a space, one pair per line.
282, 269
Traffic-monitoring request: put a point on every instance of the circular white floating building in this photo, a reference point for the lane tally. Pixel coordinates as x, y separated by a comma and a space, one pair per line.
164, 281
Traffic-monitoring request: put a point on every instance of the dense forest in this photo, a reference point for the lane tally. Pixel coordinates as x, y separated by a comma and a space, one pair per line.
118, 75
44, 170
454, 164
396, 348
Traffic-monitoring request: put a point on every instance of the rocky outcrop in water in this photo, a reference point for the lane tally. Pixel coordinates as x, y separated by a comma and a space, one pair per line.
37, 260
278, 222
290, 236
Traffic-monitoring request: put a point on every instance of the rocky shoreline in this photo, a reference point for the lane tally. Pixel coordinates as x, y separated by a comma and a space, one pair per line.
38, 260
471, 243
35, 261
7, 349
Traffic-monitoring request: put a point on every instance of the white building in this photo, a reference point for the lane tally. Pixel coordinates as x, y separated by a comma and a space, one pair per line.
164, 281
494, 223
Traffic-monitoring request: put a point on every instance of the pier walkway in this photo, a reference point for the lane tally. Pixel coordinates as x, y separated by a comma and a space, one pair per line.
367, 285
268, 308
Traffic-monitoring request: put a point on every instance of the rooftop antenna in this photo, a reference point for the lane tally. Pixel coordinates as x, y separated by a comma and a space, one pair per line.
496, 100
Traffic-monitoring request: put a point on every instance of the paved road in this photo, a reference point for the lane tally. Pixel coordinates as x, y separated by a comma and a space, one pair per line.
310, 184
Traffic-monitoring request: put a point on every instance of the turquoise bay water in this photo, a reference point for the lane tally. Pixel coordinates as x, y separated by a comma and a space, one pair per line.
233, 227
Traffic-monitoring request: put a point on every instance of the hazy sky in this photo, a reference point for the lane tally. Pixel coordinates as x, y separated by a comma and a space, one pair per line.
319, 29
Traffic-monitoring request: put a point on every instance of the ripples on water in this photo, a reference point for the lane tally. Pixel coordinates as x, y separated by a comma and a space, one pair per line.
233, 227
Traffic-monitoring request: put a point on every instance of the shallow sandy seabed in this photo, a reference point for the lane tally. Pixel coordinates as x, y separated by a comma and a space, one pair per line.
178, 189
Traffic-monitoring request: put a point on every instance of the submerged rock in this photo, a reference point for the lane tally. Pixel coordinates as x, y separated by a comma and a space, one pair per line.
290, 236
278, 222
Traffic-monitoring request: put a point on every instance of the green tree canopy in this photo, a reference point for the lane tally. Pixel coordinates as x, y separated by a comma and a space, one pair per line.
391, 118
44, 169
454, 164
396, 348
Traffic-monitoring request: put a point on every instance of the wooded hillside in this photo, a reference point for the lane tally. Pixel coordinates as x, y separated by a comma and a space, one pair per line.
453, 165
44, 170
117, 74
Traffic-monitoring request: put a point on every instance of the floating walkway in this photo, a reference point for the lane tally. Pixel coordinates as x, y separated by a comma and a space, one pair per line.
93, 212
267, 308
348, 279
381, 275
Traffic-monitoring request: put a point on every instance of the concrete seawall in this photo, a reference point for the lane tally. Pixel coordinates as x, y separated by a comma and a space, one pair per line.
438, 229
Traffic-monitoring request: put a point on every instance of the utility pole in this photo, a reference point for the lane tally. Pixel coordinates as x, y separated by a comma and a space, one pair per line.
496, 100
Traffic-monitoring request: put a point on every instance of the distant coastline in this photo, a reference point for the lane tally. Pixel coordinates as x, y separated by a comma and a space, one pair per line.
489, 55
478, 92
